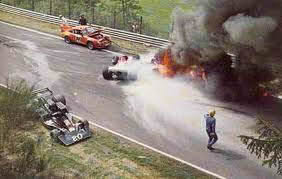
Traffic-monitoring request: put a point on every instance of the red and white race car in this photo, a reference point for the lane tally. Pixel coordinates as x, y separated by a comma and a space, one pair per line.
119, 70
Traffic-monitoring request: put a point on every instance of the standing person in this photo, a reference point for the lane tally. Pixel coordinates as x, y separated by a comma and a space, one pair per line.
210, 128
82, 20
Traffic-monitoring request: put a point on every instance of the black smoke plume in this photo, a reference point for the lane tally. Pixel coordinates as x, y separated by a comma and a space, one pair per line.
249, 29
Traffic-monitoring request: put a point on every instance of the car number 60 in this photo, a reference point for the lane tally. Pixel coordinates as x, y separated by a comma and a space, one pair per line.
78, 137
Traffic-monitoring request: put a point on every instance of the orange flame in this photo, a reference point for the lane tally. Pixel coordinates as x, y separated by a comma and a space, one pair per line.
169, 68
166, 66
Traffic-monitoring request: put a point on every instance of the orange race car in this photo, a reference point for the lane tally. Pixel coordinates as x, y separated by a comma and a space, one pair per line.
85, 35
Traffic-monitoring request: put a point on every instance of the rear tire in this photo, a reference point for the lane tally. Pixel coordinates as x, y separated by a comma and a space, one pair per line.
90, 45
108, 75
67, 40
59, 98
84, 124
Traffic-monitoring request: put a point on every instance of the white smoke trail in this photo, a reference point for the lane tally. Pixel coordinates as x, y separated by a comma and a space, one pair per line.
157, 102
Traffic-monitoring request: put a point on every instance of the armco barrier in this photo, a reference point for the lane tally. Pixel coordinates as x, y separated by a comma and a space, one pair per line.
119, 34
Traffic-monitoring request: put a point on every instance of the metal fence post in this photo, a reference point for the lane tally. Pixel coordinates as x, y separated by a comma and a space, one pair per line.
141, 24
32, 5
69, 4
50, 7
93, 13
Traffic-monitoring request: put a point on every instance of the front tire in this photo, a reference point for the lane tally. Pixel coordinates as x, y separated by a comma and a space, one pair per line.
90, 45
67, 40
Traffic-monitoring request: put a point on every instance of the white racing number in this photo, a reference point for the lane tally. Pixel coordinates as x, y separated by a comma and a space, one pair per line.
77, 137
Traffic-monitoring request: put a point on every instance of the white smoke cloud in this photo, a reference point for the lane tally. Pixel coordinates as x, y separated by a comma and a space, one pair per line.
251, 31
157, 102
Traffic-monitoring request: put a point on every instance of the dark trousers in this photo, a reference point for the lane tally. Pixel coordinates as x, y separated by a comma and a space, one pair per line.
212, 138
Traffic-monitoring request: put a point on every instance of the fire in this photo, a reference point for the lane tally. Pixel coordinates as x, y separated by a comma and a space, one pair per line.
169, 68
166, 65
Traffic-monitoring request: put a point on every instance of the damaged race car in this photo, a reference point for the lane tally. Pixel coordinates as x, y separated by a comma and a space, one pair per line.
118, 70
54, 115
85, 35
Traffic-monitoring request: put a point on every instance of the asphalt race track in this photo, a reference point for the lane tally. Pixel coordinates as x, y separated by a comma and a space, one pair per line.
75, 71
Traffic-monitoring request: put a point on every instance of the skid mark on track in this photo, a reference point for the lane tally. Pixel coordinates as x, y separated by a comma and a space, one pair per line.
36, 67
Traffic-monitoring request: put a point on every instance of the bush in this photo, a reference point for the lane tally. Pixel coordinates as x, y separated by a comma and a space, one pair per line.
268, 145
17, 115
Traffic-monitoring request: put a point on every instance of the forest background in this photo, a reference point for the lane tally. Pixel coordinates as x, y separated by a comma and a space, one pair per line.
150, 17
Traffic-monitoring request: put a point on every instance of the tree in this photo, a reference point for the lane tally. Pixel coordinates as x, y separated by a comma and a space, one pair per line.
93, 5
110, 8
268, 145
129, 9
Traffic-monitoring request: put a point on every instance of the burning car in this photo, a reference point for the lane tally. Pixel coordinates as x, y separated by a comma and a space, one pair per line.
220, 78
160, 63
55, 116
85, 35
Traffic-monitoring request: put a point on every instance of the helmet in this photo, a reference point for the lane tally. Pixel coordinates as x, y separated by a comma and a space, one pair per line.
212, 112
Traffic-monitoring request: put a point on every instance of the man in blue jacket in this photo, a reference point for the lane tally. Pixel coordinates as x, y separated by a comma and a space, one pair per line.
210, 128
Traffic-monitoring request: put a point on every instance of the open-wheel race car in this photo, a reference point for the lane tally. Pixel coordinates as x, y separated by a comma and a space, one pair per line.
54, 115
118, 70
85, 35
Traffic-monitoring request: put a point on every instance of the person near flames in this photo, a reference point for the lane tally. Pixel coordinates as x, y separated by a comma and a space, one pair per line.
210, 128
82, 20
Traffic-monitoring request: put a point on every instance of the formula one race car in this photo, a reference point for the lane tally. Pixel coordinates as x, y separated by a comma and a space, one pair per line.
85, 35
119, 71
55, 116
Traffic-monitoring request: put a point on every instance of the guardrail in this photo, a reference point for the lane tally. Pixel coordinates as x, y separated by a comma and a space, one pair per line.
119, 34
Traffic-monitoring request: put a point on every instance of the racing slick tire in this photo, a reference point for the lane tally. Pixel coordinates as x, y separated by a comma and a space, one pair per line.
67, 40
108, 75
55, 133
90, 45
85, 124
59, 98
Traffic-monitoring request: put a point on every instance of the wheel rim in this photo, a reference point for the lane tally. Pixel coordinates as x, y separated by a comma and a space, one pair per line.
90, 45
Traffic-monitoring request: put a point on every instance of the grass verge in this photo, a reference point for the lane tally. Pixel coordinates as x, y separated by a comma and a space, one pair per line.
29, 151
122, 46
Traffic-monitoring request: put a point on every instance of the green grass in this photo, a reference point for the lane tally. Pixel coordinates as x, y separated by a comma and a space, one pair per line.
120, 149
101, 156
157, 13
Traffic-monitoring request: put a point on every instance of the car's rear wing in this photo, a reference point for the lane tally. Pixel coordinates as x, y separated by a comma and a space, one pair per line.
42, 91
